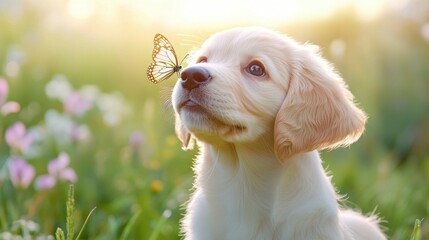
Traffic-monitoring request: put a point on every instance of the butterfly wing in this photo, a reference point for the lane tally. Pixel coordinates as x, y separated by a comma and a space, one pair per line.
164, 60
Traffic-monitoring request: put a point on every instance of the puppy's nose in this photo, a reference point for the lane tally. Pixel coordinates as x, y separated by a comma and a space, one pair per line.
192, 77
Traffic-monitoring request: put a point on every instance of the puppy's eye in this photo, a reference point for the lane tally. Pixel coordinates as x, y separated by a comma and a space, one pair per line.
256, 68
202, 60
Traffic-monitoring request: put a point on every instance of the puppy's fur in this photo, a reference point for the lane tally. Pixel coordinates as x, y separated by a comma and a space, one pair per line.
258, 174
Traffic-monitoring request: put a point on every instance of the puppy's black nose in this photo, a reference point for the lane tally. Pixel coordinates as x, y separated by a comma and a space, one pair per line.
192, 77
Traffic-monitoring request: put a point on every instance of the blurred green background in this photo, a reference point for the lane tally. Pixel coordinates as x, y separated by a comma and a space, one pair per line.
127, 159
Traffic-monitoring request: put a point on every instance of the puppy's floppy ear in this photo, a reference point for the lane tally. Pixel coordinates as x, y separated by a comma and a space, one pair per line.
318, 111
183, 134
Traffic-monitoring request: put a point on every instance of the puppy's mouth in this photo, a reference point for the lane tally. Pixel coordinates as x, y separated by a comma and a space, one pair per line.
193, 107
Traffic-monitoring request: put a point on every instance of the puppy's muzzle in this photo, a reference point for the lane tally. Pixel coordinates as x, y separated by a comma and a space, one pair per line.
193, 77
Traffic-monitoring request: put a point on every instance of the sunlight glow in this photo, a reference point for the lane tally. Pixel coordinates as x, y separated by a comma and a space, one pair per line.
267, 12
256, 11
369, 9
216, 13
80, 9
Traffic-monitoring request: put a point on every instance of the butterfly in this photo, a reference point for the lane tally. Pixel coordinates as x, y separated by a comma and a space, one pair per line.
164, 59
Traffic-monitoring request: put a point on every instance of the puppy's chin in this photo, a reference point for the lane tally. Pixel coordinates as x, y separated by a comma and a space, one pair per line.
208, 127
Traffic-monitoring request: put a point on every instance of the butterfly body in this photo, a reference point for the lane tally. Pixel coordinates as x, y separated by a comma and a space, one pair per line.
177, 69
164, 59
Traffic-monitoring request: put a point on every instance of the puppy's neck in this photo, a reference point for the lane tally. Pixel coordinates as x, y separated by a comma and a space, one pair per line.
247, 171
250, 162
235, 156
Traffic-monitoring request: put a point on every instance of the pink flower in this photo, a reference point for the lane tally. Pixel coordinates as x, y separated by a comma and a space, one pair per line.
45, 182
21, 173
4, 90
57, 169
6, 107
75, 104
10, 107
80, 133
17, 137
135, 141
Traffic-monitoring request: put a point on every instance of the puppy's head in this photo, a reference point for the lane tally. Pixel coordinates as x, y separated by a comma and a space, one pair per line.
248, 83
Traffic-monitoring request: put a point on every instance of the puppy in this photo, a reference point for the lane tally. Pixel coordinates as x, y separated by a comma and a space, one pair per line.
260, 105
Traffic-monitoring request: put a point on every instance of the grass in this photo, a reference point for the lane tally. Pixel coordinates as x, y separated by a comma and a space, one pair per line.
416, 231
138, 186
59, 233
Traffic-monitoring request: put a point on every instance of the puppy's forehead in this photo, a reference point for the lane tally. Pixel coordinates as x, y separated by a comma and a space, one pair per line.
243, 41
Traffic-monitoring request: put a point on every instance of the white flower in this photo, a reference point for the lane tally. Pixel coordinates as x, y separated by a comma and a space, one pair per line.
60, 126
38, 136
64, 129
90, 93
59, 88
114, 108
14, 59
15, 54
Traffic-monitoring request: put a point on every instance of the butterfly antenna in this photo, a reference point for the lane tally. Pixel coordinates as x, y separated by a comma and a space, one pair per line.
185, 57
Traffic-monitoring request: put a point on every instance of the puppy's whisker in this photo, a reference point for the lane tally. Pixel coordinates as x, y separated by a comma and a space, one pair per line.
166, 97
191, 40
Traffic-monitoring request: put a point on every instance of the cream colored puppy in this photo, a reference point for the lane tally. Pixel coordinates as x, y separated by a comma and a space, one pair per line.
260, 105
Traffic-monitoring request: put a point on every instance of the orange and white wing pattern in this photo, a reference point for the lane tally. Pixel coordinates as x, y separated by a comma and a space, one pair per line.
164, 60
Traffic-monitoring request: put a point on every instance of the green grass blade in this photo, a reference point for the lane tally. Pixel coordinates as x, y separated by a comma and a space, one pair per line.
129, 226
70, 211
416, 230
84, 224
165, 215
59, 234
3, 220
